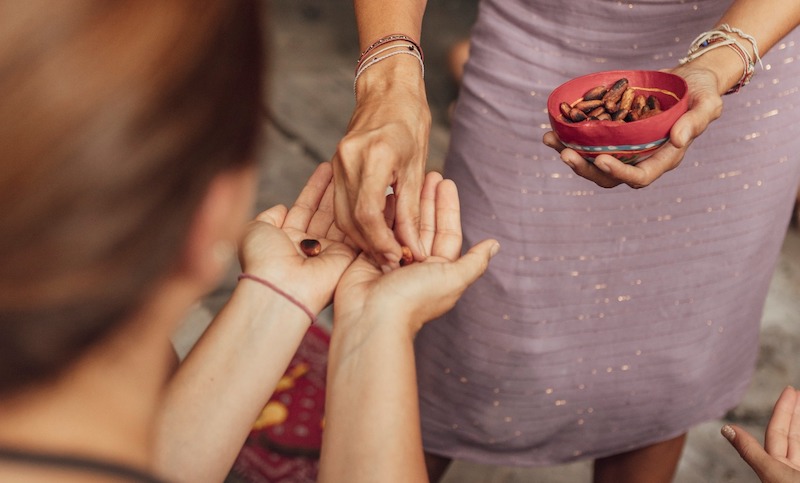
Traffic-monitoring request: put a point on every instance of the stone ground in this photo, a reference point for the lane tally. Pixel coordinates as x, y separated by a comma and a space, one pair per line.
313, 50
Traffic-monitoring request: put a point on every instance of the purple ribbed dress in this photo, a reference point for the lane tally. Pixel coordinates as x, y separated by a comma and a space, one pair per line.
612, 318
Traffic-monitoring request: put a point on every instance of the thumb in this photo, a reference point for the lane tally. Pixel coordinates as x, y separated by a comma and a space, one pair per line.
751, 451
473, 263
275, 215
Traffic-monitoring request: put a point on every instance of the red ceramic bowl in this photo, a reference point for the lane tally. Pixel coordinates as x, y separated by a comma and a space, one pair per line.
630, 142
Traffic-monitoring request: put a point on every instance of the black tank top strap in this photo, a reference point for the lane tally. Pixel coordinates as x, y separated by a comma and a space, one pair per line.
76, 463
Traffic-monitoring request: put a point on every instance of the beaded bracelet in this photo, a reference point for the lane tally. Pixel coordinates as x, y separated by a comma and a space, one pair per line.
390, 38
367, 58
280, 292
374, 60
373, 55
708, 41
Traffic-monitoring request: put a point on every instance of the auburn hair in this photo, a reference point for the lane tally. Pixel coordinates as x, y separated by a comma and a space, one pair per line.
114, 117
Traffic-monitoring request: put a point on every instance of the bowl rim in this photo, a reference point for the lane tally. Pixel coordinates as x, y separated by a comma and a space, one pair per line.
556, 117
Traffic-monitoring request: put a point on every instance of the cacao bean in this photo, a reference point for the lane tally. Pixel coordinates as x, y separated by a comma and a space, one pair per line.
310, 247
626, 101
653, 102
595, 93
565, 108
587, 106
576, 115
650, 113
596, 112
620, 115
615, 93
407, 256
638, 103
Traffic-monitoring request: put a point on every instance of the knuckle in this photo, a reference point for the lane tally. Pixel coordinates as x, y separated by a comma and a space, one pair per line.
366, 213
714, 105
348, 148
381, 149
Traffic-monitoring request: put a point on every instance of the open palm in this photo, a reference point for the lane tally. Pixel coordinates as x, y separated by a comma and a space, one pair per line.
779, 460
270, 247
421, 291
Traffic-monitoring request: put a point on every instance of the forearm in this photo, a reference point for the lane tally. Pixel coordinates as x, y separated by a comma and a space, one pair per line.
219, 390
377, 18
372, 428
767, 21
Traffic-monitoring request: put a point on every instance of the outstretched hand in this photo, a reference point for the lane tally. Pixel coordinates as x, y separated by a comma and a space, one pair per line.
424, 290
705, 106
779, 460
271, 250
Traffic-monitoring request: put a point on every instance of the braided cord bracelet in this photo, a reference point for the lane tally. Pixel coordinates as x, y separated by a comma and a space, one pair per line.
370, 57
721, 37
386, 39
280, 292
375, 60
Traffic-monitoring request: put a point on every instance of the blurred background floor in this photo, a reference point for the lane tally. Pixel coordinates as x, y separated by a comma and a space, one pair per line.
312, 57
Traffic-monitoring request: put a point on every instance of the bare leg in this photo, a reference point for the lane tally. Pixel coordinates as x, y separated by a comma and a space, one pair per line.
652, 464
437, 465
456, 58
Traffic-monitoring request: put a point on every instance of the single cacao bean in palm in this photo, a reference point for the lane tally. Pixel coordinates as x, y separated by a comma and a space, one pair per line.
310, 247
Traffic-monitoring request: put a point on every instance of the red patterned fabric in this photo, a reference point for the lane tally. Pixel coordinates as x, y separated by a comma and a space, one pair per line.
284, 445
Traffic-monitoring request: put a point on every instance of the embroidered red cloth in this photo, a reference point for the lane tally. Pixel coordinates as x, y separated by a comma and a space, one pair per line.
284, 444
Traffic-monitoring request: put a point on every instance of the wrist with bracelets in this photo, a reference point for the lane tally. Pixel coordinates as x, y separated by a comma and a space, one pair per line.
385, 48
722, 37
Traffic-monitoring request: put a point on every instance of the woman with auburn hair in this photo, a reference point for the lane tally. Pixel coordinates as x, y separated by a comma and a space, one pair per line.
127, 139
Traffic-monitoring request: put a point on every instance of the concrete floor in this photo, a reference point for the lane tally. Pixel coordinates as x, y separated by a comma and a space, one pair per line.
313, 50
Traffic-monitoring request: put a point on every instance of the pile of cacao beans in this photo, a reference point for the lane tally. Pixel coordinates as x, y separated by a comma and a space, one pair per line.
620, 102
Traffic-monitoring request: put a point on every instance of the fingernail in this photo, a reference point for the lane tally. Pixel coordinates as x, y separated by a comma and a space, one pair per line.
728, 432
392, 257
386, 268
422, 249
602, 166
495, 249
568, 162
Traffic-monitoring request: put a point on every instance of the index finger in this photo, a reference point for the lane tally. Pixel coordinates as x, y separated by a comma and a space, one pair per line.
585, 169
644, 173
368, 216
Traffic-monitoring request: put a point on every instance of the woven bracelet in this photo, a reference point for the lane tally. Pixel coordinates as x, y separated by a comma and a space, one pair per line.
390, 38
374, 60
280, 292
713, 39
